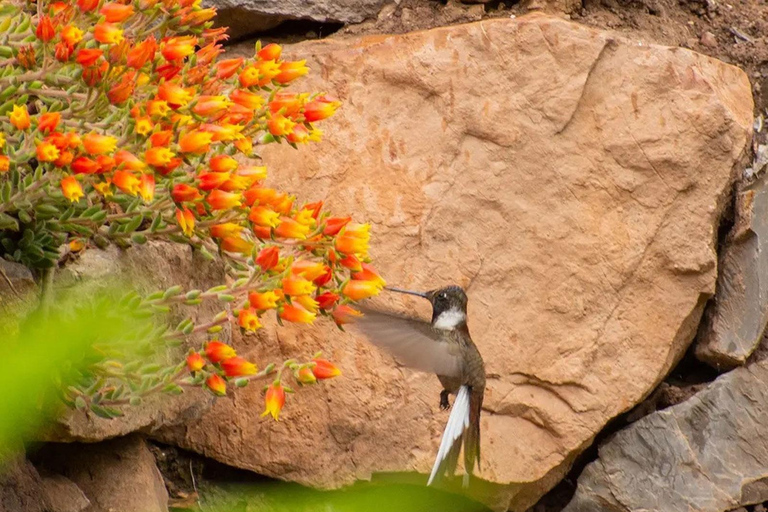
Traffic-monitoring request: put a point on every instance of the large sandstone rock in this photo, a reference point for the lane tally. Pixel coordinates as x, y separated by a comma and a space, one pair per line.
571, 180
735, 321
116, 475
21, 489
148, 268
708, 454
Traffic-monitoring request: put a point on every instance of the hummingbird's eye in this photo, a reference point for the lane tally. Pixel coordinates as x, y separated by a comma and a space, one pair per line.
442, 297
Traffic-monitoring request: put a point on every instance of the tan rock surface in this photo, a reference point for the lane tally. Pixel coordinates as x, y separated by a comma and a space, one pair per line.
570, 180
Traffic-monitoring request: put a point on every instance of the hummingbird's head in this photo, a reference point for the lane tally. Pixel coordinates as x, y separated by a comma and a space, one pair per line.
449, 306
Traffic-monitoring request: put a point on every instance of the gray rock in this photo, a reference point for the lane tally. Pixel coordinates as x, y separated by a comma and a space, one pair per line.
20, 488
708, 454
245, 17
735, 320
115, 476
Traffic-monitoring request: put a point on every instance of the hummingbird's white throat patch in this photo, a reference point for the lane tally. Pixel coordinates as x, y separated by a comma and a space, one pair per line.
449, 320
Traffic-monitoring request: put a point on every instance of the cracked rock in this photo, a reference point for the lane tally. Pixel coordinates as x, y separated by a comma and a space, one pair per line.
707, 454
578, 200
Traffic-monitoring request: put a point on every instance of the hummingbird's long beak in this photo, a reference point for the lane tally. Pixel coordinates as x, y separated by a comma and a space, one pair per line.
409, 292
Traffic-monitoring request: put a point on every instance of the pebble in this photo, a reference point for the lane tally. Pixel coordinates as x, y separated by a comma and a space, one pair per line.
708, 39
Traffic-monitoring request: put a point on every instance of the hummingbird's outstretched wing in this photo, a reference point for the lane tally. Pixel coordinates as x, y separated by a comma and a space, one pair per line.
413, 342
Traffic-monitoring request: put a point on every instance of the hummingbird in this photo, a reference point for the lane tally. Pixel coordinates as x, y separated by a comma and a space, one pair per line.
444, 347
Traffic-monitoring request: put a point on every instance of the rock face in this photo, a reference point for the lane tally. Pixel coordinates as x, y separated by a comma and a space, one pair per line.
63, 494
245, 17
570, 180
734, 323
21, 488
707, 454
154, 266
117, 475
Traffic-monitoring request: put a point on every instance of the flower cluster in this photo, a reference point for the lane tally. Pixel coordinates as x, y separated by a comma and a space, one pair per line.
121, 121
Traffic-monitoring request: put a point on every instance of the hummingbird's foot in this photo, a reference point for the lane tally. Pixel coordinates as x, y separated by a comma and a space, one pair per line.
444, 403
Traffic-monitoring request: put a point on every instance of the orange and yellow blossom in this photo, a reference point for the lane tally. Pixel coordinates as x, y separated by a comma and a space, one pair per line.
247, 99
236, 244
289, 228
127, 182
158, 108
217, 351
87, 5
158, 156
297, 285
308, 269
305, 376
96, 144
216, 384
147, 187
297, 314
182, 192
104, 188
48, 122
368, 273
274, 400
223, 163
290, 71
143, 125
195, 362
19, 117
220, 200
5, 163
238, 367
225, 230
263, 301
71, 189
212, 180
71, 35
195, 141
279, 125
228, 67
174, 95
84, 165
359, 290
307, 302
115, 12
186, 221
288, 104
176, 48
248, 319
129, 161
142, 53
345, 314
320, 108
262, 216
87, 57
270, 52
268, 257
107, 33
353, 239
324, 369
211, 105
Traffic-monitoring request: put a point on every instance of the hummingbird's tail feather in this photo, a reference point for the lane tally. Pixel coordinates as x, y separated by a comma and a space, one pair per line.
450, 444
472, 435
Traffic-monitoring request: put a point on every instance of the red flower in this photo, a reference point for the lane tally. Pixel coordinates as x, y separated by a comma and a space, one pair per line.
327, 300
88, 56
45, 30
324, 369
320, 108
345, 314
48, 122
228, 67
217, 351
268, 257
238, 367
115, 12
142, 53
84, 165
270, 52
182, 192
334, 224
216, 384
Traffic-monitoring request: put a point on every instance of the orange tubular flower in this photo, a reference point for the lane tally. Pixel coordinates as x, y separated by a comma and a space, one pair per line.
84, 165
345, 314
289, 228
212, 180
223, 163
299, 135
144, 125
238, 367
290, 71
368, 273
248, 319
158, 108
327, 300
305, 376
216, 384
334, 224
175, 95
19, 117
45, 30
5, 163
48, 122
127, 182
268, 257
320, 108
359, 290
265, 217
87, 5
274, 400
217, 351
176, 48
236, 244
308, 269
270, 52
47, 152
96, 144
71, 189
354, 239
88, 56
182, 192
115, 12
263, 301
158, 156
297, 285
352, 263
324, 369
247, 99
129, 161
195, 362
307, 302
297, 314
147, 187
220, 200
288, 104
71, 35
225, 230
62, 51
107, 33
106, 163
186, 221
122, 90
142, 53
195, 142
228, 67
279, 125
211, 105
65, 158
